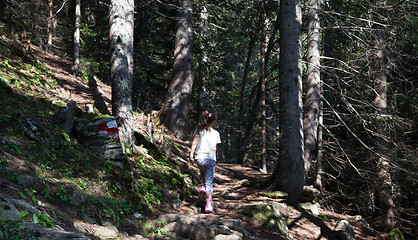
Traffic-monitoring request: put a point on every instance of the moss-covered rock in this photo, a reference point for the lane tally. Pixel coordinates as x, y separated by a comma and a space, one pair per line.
395, 234
267, 215
275, 195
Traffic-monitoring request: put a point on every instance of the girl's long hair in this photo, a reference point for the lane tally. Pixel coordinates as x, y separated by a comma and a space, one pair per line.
205, 120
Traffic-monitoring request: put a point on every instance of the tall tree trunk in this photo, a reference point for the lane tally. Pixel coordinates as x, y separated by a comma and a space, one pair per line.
202, 63
121, 43
271, 125
327, 93
241, 144
244, 133
384, 196
319, 167
263, 87
176, 106
76, 66
252, 117
271, 122
312, 102
50, 26
289, 175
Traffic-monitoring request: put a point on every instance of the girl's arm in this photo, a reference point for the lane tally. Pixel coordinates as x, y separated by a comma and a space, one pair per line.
194, 145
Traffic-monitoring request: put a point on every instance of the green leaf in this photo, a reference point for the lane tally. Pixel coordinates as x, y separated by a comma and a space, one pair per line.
24, 214
65, 135
34, 200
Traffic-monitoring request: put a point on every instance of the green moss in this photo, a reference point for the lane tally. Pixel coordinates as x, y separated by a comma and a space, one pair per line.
267, 216
274, 195
395, 234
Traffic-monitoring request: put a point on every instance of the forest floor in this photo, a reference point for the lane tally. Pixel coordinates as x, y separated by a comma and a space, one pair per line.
304, 226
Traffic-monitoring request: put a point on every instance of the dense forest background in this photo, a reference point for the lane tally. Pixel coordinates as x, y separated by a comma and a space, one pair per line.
236, 50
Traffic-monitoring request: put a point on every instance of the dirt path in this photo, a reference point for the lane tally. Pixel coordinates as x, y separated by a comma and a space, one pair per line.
230, 195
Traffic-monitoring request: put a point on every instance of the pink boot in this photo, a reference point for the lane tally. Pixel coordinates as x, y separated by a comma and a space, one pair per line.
202, 192
209, 208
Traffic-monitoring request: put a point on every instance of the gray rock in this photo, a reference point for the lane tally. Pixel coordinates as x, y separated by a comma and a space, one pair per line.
233, 196
9, 141
17, 161
268, 215
135, 237
78, 197
28, 126
345, 230
230, 205
360, 218
51, 233
176, 217
232, 226
227, 237
189, 231
24, 205
184, 227
79, 226
314, 208
88, 219
8, 211
64, 117
176, 203
309, 193
27, 180
107, 231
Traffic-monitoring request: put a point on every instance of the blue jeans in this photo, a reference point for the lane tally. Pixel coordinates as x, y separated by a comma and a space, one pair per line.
207, 171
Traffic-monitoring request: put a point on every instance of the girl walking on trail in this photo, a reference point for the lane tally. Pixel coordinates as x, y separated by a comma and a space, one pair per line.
203, 152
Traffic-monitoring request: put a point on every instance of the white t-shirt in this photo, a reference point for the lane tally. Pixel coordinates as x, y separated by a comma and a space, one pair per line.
206, 147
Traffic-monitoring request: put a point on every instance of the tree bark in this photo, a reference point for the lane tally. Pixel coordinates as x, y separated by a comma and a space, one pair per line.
202, 64
76, 66
312, 102
271, 123
50, 26
241, 144
121, 43
319, 167
289, 175
384, 196
327, 93
176, 105
263, 87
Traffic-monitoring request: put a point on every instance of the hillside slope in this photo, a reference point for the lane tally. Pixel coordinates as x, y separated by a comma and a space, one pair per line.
60, 184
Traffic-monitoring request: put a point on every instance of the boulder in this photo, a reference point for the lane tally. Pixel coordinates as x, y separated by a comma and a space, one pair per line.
107, 231
64, 117
8, 211
32, 229
183, 227
309, 194
314, 208
100, 136
345, 230
267, 215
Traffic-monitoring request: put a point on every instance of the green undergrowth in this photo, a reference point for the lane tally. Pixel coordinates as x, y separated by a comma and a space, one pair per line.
62, 173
